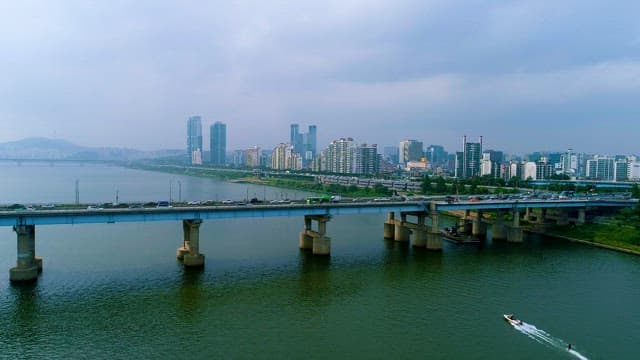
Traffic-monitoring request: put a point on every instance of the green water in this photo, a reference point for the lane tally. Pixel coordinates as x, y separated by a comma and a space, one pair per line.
116, 290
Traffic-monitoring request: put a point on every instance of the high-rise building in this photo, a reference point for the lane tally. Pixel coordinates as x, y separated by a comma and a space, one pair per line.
194, 137
296, 139
621, 169
530, 171
490, 163
367, 160
218, 143
410, 150
544, 169
472, 154
311, 143
390, 154
436, 154
601, 168
339, 156
253, 157
284, 158
304, 143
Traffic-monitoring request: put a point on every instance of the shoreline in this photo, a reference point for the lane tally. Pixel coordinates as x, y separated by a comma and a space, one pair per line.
533, 230
586, 242
285, 182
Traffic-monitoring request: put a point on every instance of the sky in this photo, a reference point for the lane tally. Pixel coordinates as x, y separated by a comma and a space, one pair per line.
526, 75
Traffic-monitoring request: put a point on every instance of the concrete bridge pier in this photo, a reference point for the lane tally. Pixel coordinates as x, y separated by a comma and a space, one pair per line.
316, 241
515, 233
528, 214
478, 229
305, 239
499, 230
189, 253
582, 216
563, 217
542, 216
434, 238
390, 226
420, 233
321, 243
465, 225
28, 265
402, 232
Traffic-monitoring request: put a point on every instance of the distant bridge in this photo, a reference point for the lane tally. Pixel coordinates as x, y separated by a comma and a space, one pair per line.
28, 265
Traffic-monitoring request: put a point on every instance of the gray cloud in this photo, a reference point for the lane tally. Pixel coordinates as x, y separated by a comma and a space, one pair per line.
527, 75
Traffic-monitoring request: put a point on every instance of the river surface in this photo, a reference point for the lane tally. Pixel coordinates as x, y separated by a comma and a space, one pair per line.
116, 291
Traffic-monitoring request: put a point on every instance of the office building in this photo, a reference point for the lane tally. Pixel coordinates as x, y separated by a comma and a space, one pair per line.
218, 143
471, 158
621, 169
410, 150
296, 139
601, 168
304, 143
436, 154
390, 154
194, 136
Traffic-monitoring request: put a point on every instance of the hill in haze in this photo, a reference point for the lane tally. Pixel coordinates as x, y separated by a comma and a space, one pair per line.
55, 149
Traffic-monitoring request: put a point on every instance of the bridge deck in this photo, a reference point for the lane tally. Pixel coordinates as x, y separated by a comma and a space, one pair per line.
86, 216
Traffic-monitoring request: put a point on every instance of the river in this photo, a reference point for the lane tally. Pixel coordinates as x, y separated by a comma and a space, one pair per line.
116, 290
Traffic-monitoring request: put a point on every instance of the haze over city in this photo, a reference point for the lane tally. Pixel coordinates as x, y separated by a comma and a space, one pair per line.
527, 75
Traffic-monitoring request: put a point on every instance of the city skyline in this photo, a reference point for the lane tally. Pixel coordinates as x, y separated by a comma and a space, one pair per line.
521, 73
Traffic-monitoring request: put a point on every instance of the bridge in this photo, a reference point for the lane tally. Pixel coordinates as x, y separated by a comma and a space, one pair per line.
428, 236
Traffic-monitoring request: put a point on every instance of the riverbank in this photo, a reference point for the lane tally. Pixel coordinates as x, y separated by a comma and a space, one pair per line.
614, 236
282, 181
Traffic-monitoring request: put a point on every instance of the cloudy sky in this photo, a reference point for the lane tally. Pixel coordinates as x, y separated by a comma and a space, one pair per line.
527, 75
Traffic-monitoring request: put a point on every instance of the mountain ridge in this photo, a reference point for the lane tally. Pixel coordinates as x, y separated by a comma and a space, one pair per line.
59, 149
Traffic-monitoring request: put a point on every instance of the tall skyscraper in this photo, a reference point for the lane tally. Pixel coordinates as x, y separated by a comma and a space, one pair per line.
218, 143
312, 141
296, 139
304, 144
194, 136
471, 160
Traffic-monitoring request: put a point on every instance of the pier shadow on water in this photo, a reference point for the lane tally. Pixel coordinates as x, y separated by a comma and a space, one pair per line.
315, 278
191, 291
24, 305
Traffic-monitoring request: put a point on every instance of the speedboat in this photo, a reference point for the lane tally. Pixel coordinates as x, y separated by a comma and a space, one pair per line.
512, 320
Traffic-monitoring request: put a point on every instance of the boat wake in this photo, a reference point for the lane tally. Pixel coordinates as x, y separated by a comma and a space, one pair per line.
545, 338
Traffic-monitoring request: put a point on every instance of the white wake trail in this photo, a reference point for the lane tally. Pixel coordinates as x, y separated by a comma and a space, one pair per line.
545, 338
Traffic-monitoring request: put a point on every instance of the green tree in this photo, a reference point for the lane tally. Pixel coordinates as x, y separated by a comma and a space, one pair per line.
441, 185
635, 191
381, 189
425, 187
